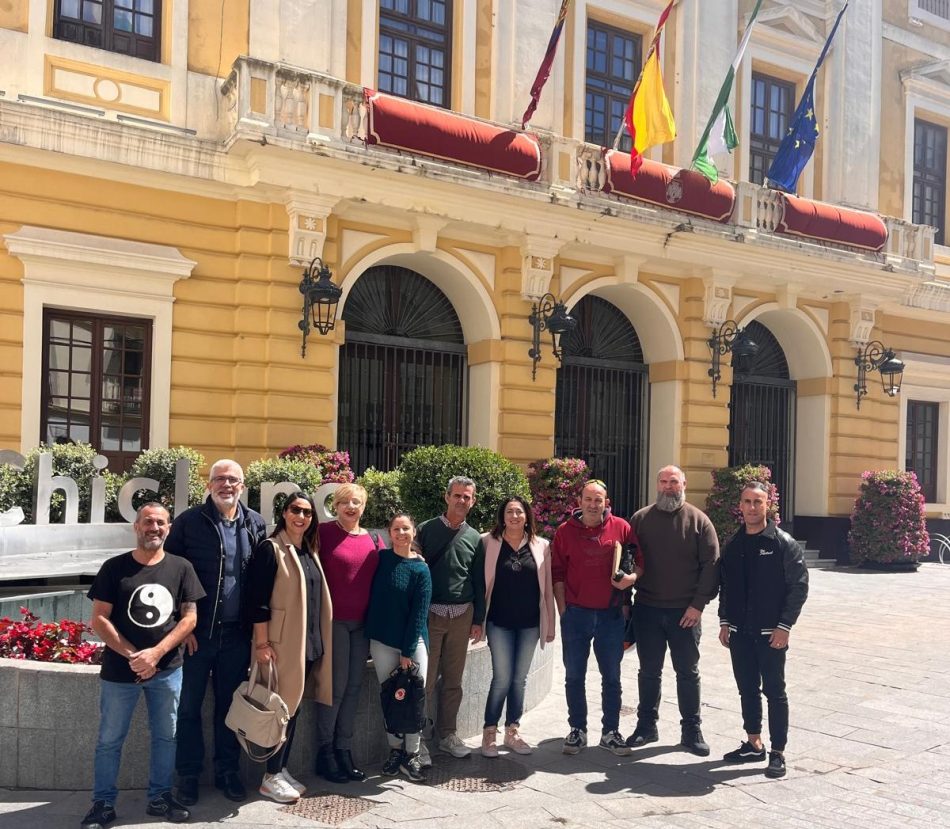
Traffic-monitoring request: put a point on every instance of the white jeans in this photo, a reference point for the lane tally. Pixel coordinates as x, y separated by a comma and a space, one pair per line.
386, 660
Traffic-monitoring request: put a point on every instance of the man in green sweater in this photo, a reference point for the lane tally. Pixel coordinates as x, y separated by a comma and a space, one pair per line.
456, 559
680, 577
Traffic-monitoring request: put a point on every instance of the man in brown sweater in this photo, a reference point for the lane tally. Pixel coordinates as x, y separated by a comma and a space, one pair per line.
680, 577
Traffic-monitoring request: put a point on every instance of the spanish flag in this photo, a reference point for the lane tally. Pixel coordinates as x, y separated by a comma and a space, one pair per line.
649, 118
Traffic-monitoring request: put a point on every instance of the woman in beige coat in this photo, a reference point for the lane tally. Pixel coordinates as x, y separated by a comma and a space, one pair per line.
519, 602
288, 603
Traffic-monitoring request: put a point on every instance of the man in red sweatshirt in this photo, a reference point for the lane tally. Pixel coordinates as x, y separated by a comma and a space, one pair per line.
592, 605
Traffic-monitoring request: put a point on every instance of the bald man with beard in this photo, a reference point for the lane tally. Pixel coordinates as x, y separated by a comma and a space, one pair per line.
680, 577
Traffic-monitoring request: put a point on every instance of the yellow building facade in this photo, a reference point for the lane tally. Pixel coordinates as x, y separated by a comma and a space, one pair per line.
165, 177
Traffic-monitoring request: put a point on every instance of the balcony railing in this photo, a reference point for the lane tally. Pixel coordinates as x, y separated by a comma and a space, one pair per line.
284, 103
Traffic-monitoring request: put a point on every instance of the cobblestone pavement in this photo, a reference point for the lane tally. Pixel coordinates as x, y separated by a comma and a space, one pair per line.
869, 685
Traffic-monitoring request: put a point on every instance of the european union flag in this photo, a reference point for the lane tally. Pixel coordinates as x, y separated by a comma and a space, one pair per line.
799, 142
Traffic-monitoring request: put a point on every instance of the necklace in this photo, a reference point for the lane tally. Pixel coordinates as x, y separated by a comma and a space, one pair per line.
348, 532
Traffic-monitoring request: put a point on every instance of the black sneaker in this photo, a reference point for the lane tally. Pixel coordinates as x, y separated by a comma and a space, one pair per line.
187, 790
391, 766
575, 741
412, 768
165, 806
101, 814
746, 753
692, 740
776, 766
614, 743
642, 735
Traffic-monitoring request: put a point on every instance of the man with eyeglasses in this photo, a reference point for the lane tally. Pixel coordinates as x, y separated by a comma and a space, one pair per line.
217, 537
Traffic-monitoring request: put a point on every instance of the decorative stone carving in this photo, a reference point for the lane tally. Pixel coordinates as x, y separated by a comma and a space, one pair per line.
717, 299
538, 265
308, 214
293, 100
425, 231
862, 321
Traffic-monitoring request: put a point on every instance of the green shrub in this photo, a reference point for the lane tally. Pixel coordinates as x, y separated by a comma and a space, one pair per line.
556, 484
160, 465
334, 467
722, 503
73, 460
425, 471
382, 497
276, 470
888, 522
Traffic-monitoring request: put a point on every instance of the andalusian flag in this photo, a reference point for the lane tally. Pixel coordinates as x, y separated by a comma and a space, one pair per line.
545, 69
720, 133
648, 117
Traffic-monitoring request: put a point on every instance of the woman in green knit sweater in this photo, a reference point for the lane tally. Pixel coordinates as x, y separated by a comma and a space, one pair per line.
396, 625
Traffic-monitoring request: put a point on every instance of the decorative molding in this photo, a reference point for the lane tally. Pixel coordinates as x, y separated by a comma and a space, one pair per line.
932, 296
717, 299
787, 295
98, 274
71, 80
308, 214
788, 21
862, 321
425, 231
537, 270
930, 80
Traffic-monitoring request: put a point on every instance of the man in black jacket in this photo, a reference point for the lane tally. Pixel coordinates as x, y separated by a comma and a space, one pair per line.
764, 583
217, 537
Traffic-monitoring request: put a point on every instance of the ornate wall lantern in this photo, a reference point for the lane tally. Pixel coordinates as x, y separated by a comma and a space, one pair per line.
320, 299
728, 338
548, 314
875, 355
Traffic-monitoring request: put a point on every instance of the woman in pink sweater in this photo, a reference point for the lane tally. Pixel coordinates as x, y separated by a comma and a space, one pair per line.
349, 555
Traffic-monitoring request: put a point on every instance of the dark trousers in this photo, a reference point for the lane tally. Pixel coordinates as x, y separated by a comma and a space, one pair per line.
278, 762
224, 656
760, 668
658, 628
580, 627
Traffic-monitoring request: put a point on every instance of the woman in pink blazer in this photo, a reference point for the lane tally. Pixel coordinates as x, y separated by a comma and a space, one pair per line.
520, 613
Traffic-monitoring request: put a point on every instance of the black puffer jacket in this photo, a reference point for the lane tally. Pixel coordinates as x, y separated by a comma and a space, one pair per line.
194, 536
779, 582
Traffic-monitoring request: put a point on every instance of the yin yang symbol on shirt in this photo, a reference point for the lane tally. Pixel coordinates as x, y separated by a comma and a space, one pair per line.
151, 606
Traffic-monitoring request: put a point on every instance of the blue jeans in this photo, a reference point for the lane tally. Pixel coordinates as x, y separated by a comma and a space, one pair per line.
580, 626
225, 657
657, 628
117, 701
512, 650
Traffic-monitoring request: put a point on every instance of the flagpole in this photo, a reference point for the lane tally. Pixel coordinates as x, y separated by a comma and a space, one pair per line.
654, 45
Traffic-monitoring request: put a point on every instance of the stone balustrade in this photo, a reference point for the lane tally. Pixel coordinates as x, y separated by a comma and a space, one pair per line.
304, 108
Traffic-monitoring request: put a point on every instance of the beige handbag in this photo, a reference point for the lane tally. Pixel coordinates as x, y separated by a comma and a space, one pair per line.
258, 716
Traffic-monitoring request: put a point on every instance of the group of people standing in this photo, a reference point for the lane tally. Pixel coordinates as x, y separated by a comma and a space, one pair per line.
201, 597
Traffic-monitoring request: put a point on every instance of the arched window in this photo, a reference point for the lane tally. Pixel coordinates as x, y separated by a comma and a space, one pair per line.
601, 404
403, 376
762, 415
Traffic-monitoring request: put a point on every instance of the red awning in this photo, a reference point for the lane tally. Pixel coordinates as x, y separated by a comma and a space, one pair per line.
830, 223
685, 191
419, 128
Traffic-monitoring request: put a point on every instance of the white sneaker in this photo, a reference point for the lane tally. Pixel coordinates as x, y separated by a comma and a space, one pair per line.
425, 759
454, 746
295, 784
277, 789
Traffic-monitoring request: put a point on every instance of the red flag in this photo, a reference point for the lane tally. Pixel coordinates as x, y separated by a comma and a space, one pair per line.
545, 69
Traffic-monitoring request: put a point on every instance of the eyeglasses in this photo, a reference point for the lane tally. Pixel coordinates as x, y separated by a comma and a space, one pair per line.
306, 512
226, 479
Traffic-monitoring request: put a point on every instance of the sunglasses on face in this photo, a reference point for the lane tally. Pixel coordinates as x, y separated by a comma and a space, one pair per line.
306, 512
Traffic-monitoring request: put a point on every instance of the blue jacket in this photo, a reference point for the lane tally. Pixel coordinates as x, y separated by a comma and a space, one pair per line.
194, 536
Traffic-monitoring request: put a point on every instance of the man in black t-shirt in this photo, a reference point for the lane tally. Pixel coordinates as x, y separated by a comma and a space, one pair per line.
144, 605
